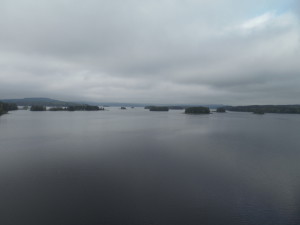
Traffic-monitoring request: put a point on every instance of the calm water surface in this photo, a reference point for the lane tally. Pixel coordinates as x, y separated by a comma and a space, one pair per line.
135, 167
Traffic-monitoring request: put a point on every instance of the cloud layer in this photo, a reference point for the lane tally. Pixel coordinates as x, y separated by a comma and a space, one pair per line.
231, 52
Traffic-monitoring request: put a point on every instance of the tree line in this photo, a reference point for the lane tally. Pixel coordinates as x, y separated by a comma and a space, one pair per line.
260, 109
5, 107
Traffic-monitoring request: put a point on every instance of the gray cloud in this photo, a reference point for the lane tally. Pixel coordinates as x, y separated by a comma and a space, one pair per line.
230, 52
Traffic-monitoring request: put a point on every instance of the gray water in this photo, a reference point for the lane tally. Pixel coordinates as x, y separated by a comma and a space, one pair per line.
135, 167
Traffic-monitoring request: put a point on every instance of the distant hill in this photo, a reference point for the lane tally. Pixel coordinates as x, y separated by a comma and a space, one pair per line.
184, 106
113, 104
39, 101
171, 106
58, 103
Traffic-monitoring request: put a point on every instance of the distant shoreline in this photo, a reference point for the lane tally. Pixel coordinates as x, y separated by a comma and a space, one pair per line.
40, 104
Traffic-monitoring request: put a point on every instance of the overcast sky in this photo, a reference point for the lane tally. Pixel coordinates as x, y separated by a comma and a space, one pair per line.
151, 51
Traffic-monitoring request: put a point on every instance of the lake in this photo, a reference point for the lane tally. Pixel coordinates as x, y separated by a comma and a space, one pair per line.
135, 167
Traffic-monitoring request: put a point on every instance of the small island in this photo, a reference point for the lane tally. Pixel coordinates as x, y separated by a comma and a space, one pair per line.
84, 108
197, 110
159, 108
38, 108
25, 108
221, 110
123, 107
58, 109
